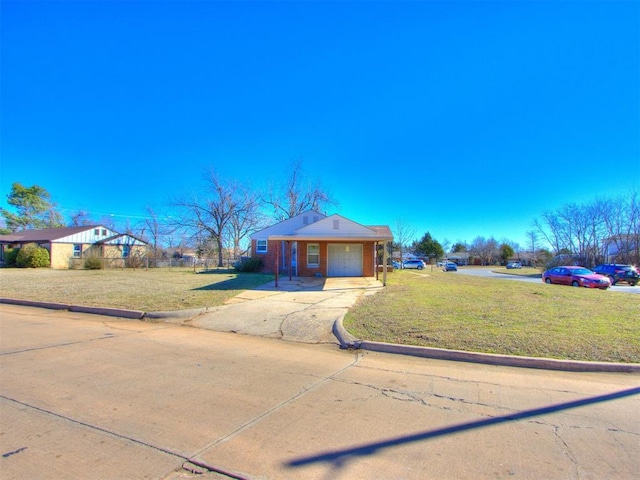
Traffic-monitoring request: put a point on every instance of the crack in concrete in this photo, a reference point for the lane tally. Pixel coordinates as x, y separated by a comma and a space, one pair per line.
566, 450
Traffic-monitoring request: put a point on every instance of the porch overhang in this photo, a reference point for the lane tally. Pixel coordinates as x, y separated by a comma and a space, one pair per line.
328, 238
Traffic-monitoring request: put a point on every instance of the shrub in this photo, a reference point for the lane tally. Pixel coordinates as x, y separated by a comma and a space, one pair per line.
134, 261
10, 256
33, 256
249, 265
93, 262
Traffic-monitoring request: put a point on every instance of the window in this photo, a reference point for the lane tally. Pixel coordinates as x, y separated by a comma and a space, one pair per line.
313, 255
104, 232
77, 250
96, 231
126, 249
261, 246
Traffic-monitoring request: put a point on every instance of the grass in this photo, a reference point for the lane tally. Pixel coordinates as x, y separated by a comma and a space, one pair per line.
449, 310
522, 272
147, 290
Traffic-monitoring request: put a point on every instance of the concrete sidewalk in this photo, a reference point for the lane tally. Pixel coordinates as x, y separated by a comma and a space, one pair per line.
300, 310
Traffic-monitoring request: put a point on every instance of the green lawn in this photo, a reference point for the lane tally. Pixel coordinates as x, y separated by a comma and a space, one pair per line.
152, 290
450, 310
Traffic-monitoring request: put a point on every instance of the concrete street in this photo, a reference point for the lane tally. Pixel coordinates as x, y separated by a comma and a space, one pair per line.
488, 273
87, 396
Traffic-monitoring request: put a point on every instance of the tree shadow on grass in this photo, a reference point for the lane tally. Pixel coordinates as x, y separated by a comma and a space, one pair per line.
234, 281
339, 458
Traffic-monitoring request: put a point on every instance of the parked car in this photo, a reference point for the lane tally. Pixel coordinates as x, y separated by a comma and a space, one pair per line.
619, 273
450, 267
511, 265
419, 264
397, 265
576, 277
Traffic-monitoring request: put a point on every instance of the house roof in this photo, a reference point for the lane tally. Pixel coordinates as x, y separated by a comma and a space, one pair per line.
122, 239
45, 234
290, 225
334, 228
71, 235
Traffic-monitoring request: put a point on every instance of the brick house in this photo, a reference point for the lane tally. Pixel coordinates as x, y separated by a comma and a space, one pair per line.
313, 244
67, 245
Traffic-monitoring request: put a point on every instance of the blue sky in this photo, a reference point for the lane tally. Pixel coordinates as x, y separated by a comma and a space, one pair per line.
458, 118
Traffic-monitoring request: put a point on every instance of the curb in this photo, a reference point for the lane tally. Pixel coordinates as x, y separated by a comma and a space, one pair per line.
181, 314
348, 341
111, 312
29, 303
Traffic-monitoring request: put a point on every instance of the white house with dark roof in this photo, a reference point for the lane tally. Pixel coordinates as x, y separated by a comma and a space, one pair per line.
68, 243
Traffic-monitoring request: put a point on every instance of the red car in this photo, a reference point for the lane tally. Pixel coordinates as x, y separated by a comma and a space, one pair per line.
576, 277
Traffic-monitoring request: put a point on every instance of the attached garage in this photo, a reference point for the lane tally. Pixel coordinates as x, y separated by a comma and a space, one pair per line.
344, 260
311, 244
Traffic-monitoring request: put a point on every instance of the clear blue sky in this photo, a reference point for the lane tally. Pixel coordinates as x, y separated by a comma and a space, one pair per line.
460, 118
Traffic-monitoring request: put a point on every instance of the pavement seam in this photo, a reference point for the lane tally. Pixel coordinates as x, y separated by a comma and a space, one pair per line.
93, 427
277, 407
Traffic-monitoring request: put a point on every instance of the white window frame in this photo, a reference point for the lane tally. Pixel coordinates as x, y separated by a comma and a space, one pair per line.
262, 243
313, 254
77, 250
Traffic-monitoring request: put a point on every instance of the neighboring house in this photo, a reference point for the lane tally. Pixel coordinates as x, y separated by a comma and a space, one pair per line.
313, 244
621, 249
459, 258
67, 245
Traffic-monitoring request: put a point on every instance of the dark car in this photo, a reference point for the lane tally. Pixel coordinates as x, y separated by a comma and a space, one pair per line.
619, 273
576, 277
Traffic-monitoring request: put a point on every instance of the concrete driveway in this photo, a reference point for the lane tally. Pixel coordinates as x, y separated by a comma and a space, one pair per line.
301, 309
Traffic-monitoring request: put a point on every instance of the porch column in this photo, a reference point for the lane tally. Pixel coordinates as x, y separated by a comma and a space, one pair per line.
277, 264
290, 258
384, 264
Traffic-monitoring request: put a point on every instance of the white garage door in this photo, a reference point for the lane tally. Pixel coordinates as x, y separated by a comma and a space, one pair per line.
345, 260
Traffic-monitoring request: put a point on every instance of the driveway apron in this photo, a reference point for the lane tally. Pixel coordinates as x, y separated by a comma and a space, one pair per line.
301, 309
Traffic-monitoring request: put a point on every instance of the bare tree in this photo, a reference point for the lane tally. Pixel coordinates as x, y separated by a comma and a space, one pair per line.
622, 225
404, 234
297, 195
153, 229
485, 250
80, 219
209, 218
585, 230
245, 219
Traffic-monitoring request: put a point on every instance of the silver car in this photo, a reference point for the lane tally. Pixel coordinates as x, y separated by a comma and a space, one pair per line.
419, 264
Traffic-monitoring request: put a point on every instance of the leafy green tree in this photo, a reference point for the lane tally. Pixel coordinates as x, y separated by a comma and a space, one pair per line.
459, 248
506, 252
10, 255
34, 209
428, 246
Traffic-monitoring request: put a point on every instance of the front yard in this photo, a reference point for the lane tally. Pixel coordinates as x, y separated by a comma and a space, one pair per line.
152, 290
448, 310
